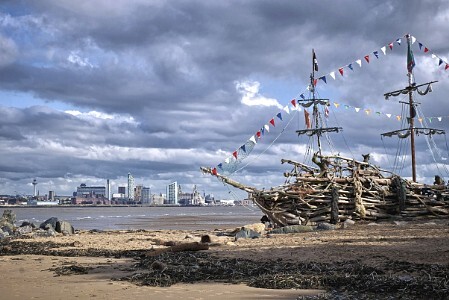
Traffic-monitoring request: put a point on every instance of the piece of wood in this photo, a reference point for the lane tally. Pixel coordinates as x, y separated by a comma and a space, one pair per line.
195, 246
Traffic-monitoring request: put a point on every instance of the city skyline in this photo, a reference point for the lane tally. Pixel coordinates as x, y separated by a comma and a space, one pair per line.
92, 90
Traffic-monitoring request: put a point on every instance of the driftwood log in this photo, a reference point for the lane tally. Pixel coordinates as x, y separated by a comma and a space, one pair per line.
194, 246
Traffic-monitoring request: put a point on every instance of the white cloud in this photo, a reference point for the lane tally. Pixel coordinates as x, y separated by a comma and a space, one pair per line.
250, 94
79, 61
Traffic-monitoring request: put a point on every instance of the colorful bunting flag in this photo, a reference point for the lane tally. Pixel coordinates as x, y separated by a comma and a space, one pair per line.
341, 71
376, 54
398, 41
307, 119
367, 58
243, 148
384, 50
272, 122
440, 62
267, 128
426, 50
234, 154
350, 67
420, 46
359, 62
332, 74
357, 109
323, 78
302, 96
446, 67
253, 140
293, 102
286, 109
258, 134
214, 171
279, 115
391, 46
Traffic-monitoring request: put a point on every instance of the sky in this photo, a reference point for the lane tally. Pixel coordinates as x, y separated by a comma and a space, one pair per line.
94, 90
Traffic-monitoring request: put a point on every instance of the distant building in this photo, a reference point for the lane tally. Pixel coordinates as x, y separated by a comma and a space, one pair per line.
172, 194
122, 189
90, 195
157, 199
130, 187
138, 193
146, 196
51, 195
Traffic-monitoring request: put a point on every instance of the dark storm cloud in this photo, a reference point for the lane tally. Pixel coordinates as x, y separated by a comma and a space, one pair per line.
164, 75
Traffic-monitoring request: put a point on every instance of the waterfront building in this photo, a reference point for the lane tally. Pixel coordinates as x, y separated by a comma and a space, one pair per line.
138, 193
130, 187
146, 196
172, 194
122, 189
90, 195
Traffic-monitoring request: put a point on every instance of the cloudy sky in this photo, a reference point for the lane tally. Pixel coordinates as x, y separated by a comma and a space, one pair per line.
91, 90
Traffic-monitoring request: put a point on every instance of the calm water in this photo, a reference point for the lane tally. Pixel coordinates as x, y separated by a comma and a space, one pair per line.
150, 218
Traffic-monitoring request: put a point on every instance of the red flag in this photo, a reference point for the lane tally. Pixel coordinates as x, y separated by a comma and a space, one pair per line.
367, 58
258, 134
272, 122
341, 71
235, 154
391, 46
315, 82
293, 102
446, 67
307, 119
214, 171
426, 49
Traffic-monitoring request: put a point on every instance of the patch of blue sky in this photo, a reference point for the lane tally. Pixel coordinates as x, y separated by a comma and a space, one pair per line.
24, 100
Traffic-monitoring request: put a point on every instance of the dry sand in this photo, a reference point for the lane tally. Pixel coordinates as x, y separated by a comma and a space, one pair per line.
34, 276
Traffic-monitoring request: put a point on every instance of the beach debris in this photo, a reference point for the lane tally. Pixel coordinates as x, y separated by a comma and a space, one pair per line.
71, 270
292, 229
206, 239
158, 266
246, 233
195, 246
325, 226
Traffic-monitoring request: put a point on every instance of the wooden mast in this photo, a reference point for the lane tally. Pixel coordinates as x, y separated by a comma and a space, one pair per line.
411, 83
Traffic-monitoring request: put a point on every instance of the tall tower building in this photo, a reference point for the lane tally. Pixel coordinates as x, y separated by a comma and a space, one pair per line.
172, 193
35, 187
108, 189
130, 187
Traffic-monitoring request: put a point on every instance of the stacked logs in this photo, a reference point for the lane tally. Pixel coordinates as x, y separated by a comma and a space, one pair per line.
344, 189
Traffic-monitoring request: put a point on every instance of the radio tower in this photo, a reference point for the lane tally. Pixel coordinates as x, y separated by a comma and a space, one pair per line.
34, 185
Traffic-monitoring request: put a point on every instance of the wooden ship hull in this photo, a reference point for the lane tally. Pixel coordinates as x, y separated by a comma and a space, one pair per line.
344, 189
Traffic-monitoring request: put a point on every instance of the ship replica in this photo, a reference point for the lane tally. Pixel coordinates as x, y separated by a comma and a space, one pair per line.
337, 188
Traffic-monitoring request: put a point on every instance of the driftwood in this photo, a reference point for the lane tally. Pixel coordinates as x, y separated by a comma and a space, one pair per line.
195, 246
344, 189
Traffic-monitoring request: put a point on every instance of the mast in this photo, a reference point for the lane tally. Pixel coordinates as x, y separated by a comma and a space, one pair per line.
316, 128
411, 130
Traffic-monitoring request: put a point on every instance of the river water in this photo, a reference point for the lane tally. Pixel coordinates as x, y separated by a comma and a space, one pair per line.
148, 218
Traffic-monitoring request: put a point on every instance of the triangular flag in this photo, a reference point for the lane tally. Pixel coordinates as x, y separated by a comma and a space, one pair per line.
341, 71
293, 102
426, 50
384, 50
376, 54
398, 117
315, 82
336, 104
234, 154
253, 140
258, 134
446, 67
398, 41
391, 46
279, 115
267, 128
388, 115
413, 39
350, 67
420, 46
420, 120
347, 106
433, 56
378, 113
439, 119
272, 122
367, 58
332, 74
367, 111
262, 130
430, 120
220, 165
243, 148
357, 109
440, 62
302, 96
359, 62
227, 158
323, 78
214, 171
286, 109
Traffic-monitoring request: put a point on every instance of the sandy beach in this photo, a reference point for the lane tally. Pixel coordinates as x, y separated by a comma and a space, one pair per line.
393, 256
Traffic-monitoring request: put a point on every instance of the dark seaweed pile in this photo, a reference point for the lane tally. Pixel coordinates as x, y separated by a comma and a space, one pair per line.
17, 247
345, 280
